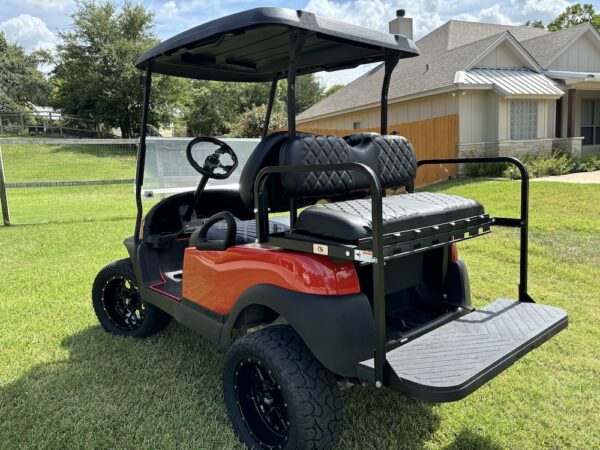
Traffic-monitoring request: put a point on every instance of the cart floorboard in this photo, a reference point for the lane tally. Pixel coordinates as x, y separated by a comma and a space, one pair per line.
455, 359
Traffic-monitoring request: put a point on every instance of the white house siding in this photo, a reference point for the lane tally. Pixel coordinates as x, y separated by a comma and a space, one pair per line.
473, 117
503, 56
582, 56
408, 111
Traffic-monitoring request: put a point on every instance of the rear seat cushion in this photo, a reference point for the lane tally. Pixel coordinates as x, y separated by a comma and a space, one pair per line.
351, 220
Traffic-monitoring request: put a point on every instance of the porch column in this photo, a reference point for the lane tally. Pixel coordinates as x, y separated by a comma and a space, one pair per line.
571, 113
558, 119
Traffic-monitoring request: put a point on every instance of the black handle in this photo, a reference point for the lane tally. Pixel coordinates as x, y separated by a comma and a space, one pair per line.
201, 242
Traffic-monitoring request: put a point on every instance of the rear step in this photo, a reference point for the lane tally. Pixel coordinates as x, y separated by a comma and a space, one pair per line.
453, 360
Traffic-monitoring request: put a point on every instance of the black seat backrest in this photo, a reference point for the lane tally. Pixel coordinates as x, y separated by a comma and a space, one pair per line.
392, 158
265, 154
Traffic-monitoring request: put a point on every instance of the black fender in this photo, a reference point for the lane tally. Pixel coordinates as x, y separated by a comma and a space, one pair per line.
338, 329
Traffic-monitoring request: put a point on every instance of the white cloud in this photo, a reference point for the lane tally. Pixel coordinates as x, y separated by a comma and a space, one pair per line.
31, 32
375, 14
48, 5
493, 14
168, 10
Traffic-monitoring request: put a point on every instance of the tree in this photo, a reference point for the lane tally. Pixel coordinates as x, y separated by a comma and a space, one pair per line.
574, 15
535, 24
94, 76
22, 84
332, 89
250, 123
217, 108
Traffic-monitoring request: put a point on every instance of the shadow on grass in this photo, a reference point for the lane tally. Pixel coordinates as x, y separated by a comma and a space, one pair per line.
98, 150
165, 392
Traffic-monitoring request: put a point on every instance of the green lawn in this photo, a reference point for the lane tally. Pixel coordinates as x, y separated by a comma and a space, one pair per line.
67, 162
64, 383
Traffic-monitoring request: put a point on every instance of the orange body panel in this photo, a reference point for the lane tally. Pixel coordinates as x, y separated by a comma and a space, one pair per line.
215, 279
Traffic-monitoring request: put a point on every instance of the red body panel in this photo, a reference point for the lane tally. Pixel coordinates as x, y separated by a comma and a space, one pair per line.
215, 279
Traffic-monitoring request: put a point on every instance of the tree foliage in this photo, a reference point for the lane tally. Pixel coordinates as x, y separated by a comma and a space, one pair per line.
535, 24
574, 15
22, 84
94, 77
218, 108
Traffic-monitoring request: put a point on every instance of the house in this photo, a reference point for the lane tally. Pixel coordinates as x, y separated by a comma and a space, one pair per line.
480, 89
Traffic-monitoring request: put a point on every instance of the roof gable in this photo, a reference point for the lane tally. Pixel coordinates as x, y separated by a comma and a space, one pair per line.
505, 52
547, 48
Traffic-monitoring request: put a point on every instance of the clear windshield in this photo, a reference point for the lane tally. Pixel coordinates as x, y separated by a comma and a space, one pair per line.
167, 170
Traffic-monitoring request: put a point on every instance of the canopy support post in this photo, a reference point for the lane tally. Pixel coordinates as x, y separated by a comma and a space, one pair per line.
297, 38
141, 157
391, 61
272, 92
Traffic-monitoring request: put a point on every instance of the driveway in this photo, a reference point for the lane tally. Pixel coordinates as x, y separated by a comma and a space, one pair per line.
581, 177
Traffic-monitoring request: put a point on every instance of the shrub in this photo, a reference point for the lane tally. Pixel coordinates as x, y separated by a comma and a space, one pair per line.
485, 170
587, 163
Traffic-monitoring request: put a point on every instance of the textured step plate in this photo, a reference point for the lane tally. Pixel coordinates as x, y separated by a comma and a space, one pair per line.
455, 359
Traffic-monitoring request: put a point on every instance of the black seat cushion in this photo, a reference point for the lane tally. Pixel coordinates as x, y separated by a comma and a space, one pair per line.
351, 220
246, 229
265, 154
392, 159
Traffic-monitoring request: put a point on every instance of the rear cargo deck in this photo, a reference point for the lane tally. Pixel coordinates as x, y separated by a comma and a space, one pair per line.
453, 360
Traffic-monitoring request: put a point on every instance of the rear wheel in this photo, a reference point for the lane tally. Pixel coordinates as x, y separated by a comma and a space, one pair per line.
119, 306
278, 394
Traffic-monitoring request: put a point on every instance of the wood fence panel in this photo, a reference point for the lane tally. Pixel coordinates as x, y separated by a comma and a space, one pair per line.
432, 139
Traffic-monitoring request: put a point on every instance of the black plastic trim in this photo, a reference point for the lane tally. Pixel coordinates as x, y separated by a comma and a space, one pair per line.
338, 329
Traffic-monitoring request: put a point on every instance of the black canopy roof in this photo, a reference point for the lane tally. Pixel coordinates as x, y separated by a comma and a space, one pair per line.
254, 45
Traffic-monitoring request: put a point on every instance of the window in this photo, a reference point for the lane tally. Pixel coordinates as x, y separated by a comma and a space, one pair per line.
523, 119
356, 125
590, 121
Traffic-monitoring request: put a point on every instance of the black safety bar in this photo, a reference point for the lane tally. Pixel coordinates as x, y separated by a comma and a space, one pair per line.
522, 222
262, 233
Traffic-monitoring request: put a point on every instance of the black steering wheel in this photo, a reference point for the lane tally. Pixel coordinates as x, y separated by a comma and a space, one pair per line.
213, 167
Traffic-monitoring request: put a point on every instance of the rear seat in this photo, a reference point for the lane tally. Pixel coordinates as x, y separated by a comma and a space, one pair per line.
393, 159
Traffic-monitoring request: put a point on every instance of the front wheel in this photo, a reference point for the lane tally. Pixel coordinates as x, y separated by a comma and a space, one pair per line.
119, 306
278, 394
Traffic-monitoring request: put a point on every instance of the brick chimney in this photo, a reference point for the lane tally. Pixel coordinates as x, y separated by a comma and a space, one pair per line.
402, 25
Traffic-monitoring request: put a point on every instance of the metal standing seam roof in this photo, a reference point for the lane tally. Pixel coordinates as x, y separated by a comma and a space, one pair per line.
509, 82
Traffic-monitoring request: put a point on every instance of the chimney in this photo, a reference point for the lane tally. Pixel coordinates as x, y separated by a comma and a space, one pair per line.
402, 25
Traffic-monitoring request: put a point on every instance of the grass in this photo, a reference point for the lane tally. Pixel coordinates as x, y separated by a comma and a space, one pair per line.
64, 383
67, 162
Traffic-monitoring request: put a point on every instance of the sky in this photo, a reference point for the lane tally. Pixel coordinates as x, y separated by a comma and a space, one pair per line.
34, 23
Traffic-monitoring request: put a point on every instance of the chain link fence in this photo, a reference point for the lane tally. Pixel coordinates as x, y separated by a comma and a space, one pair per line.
64, 180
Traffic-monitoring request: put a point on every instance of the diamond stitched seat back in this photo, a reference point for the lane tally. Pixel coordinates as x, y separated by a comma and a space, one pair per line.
392, 158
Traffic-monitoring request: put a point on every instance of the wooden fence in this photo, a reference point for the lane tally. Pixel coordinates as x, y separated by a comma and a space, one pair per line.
431, 138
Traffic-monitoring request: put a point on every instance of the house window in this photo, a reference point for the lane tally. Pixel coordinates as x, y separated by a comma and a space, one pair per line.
523, 119
356, 125
590, 121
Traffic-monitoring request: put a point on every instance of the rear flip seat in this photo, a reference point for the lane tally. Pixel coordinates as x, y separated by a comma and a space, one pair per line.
393, 159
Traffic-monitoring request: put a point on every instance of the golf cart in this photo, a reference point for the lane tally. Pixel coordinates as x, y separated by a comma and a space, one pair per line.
352, 285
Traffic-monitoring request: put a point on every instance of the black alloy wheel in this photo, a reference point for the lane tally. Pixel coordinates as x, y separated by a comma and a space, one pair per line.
123, 304
261, 403
119, 306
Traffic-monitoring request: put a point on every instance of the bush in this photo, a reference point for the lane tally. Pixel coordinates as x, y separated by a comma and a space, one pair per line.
486, 170
587, 163
559, 163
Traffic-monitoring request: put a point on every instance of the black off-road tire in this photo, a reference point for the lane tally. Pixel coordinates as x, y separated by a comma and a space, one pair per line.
149, 319
307, 391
